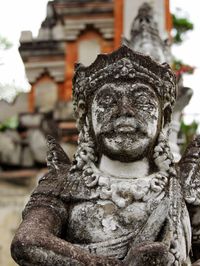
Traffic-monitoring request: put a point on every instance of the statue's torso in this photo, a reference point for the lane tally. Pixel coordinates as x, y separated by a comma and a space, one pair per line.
116, 214
109, 224
102, 220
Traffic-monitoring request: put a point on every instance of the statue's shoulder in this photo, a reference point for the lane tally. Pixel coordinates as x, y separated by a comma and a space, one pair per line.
189, 167
48, 192
62, 181
57, 159
58, 164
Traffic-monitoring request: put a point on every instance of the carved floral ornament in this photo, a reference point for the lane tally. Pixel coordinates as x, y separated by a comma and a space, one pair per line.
123, 64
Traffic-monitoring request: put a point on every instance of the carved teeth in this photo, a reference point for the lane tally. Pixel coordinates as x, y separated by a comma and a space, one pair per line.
125, 128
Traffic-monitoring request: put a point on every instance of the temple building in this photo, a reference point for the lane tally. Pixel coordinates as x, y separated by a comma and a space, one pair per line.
76, 31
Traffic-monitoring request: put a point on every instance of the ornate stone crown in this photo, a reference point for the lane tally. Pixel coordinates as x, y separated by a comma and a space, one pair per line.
123, 65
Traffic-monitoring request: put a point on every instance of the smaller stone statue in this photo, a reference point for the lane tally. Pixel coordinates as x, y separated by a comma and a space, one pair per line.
122, 201
145, 38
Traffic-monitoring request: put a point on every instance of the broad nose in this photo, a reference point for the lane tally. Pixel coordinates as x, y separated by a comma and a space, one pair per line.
126, 108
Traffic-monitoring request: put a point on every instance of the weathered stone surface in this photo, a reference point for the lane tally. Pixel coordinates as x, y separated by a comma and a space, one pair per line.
148, 254
145, 37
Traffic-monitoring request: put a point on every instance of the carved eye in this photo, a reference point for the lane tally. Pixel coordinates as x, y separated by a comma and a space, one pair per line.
151, 107
145, 107
143, 100
107, 100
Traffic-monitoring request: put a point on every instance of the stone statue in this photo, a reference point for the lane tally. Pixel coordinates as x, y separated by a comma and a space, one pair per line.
145, 38
122, 201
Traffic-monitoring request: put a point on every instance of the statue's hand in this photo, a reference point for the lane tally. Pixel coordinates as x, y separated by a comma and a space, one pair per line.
196, 263
152, 253
104, 261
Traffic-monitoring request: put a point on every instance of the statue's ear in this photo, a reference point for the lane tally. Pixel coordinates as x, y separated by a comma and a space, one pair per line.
167, 115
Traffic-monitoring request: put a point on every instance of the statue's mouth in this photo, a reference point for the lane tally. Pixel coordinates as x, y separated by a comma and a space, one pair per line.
125, 125
125, 128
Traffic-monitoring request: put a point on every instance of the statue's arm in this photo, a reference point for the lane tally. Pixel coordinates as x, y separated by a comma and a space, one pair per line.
37, 242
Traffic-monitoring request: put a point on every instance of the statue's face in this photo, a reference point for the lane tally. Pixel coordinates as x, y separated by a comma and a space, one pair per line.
125, 120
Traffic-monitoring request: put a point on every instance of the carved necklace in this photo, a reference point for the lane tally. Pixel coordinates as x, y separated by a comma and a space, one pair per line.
124, 191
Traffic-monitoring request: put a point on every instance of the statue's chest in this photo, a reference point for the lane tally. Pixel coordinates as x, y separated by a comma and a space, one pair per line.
122, 208
91, 222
